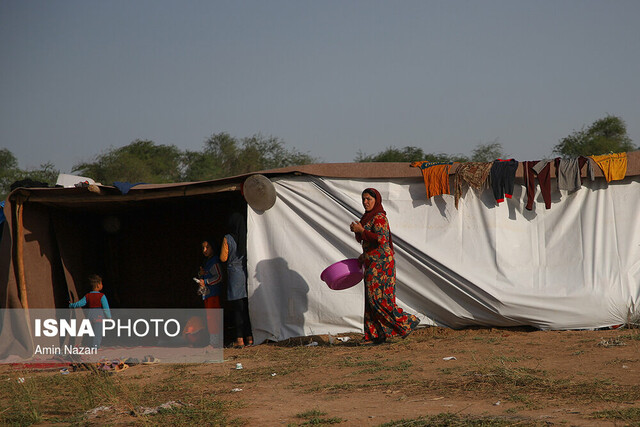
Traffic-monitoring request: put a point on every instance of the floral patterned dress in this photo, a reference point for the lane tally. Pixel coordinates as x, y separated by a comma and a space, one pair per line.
382, 317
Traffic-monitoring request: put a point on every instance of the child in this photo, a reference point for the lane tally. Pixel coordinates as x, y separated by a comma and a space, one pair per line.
233, 252
210, 289
94, 300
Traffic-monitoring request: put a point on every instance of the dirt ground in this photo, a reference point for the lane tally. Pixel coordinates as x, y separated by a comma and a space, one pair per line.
559, 377
525, 377
554, 377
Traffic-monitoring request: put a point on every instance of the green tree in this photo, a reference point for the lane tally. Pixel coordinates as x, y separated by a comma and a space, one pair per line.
224, 155
47, 172
487, 152
394, 154
606, 135
10, 173
407, 154
140, 161
200, 166
260, 153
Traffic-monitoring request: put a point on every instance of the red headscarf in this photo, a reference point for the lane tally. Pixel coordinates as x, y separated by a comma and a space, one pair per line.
377, 208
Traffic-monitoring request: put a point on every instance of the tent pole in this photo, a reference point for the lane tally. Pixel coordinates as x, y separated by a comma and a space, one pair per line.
22, 283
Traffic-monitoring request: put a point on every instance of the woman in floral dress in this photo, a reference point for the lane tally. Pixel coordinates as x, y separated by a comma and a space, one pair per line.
382, 317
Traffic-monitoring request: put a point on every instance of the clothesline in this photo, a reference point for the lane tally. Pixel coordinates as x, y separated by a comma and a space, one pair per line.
501, 173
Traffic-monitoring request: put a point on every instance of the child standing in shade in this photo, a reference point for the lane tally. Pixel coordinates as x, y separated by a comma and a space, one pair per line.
233, 252
98, 307
210, 288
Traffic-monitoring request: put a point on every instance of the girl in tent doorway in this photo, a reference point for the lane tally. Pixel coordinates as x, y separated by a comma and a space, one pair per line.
382, 317
210, 281
234, 253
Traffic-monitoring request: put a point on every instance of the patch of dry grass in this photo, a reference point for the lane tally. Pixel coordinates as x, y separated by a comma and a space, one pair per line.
32, 397
456, 420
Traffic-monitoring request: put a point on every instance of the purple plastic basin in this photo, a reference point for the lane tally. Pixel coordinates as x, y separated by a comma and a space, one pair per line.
343, 274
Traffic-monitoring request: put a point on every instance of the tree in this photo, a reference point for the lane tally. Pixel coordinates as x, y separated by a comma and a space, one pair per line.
200, 166
606, 135
260, 153
140, 161
407, 154
225, 155
487, 152
393, 154
10, 173
482, 153
222, 156
47, 172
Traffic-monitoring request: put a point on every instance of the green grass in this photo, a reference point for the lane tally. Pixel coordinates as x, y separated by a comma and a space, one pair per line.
455, 420
509, 381
48, 397
357, 362
628, 415
316, 417
634, 336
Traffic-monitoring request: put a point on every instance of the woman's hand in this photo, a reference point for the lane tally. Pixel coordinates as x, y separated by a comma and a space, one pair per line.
202, 283
356, 227
361, 259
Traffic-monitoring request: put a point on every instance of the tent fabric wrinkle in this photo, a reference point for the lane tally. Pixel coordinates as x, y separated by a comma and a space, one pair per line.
572, 267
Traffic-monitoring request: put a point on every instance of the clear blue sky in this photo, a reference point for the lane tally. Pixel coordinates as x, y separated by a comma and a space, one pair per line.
330, 78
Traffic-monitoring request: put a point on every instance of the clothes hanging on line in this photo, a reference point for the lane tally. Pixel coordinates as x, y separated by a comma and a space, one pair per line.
568, 172
503, 176
614, 166
475, 174
435, 176
531, 169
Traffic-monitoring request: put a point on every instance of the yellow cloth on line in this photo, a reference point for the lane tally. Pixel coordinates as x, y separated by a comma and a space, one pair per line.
614, 166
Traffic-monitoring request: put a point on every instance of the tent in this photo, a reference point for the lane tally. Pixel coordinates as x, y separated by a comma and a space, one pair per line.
575, 265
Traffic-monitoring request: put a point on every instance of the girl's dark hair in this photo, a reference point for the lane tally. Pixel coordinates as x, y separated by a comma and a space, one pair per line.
212, 242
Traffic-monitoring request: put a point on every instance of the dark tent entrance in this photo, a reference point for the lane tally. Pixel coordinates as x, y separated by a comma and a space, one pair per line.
147, 251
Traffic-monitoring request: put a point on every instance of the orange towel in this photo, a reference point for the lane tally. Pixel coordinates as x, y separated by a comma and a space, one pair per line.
614, 166
436, 177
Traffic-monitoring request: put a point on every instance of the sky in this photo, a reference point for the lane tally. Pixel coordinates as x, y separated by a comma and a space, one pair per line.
328, 78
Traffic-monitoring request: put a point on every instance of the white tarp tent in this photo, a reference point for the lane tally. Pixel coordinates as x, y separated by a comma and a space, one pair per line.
574, 266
